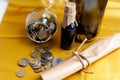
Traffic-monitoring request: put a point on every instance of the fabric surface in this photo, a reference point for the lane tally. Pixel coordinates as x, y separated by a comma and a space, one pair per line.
14, 43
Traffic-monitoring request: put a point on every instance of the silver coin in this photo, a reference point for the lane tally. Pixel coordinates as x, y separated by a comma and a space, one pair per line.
47, 56
20, 73
56, 61
35, 54
52, 26
37, 66
34, 62
43, 61
23, 62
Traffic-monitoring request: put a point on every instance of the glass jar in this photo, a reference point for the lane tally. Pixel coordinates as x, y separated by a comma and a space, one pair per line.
89, 16
41, 25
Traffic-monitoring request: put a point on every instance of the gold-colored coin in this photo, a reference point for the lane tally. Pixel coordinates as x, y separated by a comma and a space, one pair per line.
46, 48
35, 54
48, 66
49, 31
43, 34
40, 49
40, 69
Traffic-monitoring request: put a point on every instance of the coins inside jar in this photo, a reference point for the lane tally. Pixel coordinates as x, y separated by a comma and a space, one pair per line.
41, 25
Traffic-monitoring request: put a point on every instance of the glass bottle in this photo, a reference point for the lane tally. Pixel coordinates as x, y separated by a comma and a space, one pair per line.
89, 16
41, 25
68, 26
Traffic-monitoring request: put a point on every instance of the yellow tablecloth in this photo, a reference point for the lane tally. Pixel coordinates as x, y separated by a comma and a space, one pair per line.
14, 43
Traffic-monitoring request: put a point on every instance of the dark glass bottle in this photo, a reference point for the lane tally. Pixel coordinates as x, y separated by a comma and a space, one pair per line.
68, 26
89, 16
68, 36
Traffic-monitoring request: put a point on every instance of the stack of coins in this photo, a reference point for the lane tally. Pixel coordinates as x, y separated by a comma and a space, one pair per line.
46, 59
35, 63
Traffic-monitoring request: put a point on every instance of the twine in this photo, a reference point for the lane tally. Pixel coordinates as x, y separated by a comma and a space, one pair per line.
80, 57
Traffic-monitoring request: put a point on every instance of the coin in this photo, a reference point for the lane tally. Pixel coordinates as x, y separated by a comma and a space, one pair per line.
40, 49
35, 54
33, 36
49, 31
23, 62
47, 56
42, 34
34, 62
37, 70
52, 26
37, 66
46, 48
20, 73
56, 61
40, 69
44, 62
48, 66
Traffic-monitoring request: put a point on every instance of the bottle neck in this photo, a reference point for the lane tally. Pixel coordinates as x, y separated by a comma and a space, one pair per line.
68, 19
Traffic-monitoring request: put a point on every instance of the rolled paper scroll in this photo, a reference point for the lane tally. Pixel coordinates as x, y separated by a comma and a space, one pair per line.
88, 56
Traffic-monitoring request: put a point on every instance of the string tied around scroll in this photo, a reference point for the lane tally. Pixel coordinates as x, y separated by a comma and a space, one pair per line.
80, 57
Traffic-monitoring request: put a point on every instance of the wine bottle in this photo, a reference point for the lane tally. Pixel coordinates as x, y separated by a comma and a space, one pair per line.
89, 15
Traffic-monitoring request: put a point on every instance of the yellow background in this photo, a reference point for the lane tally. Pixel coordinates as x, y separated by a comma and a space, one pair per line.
14, 43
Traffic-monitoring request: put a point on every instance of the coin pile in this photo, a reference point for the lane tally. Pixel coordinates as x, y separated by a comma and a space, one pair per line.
46, 59
42, 59
41, 30
35, 63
